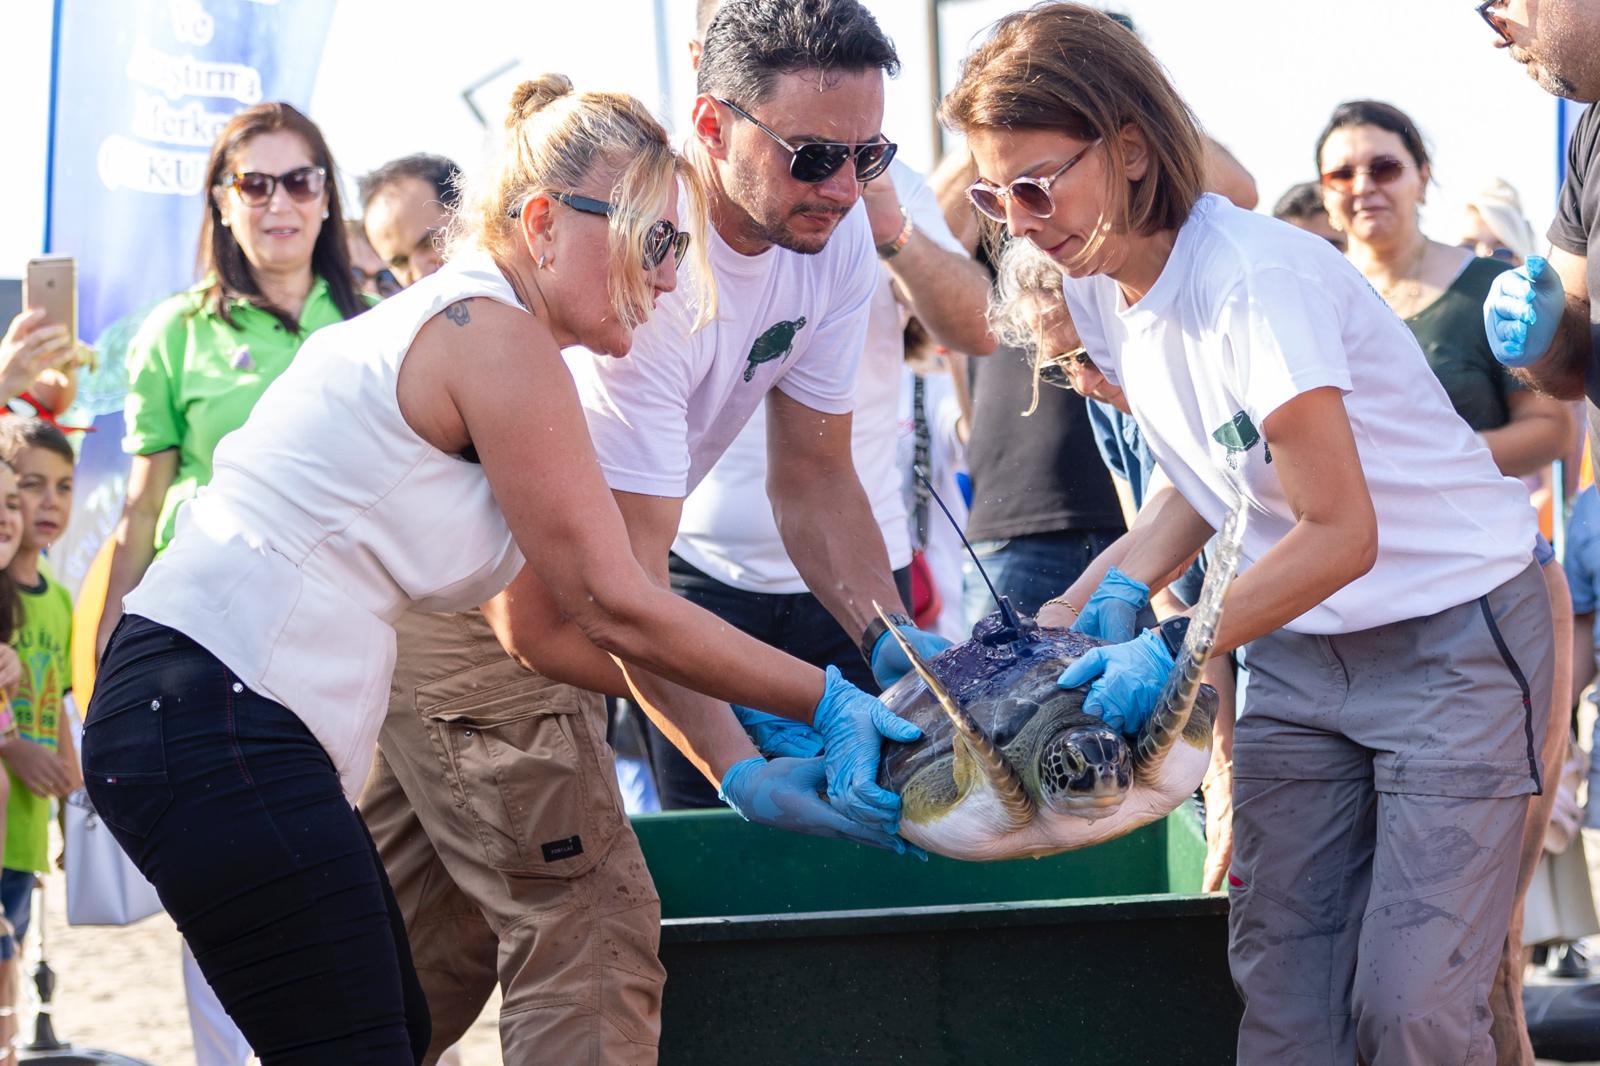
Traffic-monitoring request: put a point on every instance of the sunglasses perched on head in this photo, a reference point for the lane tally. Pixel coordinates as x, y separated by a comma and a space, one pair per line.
660, 240
816, 161
1030, 194
303, 184
1383, 170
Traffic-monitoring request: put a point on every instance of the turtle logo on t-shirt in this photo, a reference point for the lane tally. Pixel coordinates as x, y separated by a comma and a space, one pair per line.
776, 343
1238, 435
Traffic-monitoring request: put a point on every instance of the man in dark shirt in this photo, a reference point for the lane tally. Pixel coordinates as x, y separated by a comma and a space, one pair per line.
1542, 318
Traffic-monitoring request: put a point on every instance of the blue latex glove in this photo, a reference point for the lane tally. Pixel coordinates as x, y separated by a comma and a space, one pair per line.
1130, 676
889, 662
1522, 311
1112, 613
853, 726
787, 793
777, 737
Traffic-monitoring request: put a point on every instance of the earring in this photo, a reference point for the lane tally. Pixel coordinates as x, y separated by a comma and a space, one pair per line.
225, 222
324, 214
540, 261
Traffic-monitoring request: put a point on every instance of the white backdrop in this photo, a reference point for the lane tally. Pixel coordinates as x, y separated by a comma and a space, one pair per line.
1262, 74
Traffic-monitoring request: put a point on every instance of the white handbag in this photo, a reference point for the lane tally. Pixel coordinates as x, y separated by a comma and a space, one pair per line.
103, 886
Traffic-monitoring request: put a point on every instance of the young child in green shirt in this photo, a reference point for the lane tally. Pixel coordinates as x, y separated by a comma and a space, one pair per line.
39, 761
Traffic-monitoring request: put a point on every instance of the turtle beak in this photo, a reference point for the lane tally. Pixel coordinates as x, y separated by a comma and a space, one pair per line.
1084, 771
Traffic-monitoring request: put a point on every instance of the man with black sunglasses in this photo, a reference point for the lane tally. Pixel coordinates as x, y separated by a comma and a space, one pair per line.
730, 556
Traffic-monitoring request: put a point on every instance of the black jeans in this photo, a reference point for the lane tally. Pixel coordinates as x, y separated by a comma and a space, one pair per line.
233, 810
793, 622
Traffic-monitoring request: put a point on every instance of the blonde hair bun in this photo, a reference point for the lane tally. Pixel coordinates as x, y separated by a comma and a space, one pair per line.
533, 95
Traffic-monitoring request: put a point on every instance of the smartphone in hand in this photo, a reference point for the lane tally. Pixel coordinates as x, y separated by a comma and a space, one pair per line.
52, 284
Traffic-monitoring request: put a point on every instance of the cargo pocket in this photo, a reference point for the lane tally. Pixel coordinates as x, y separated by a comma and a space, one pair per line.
518, 752
125, 766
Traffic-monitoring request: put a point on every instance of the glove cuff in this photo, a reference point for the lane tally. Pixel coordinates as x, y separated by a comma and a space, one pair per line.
731, 778
1118, 581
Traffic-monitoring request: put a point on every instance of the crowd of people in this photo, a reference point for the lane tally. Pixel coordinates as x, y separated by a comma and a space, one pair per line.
619, 444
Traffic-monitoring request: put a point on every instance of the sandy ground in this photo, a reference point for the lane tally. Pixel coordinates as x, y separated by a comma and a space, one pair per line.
121, 989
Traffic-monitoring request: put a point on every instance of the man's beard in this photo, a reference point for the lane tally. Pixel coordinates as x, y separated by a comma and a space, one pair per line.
768, 230
1548, 79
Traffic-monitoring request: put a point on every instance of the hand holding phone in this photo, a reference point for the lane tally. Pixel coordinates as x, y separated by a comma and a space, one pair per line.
31, 345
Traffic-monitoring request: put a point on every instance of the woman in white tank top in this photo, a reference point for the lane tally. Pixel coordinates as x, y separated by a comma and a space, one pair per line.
417, 457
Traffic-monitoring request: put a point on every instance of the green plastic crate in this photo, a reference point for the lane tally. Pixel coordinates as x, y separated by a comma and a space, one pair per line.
782, 948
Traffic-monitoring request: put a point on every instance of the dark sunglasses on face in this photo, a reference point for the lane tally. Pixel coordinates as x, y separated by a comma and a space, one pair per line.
383, 283
1030, 194
1496, 23
817, 161
1383, 170
661, 239
303, 184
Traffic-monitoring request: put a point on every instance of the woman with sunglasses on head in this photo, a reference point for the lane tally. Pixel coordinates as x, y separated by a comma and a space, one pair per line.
1375, 175
1389, 611
414, 459
274, 269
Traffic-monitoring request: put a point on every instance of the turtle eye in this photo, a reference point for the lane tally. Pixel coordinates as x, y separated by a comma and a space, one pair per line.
1082, 768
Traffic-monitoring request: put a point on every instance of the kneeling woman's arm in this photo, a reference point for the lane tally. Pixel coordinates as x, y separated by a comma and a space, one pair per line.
492, 379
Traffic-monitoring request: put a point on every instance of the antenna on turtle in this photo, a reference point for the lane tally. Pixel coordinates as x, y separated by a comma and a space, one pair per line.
1008, 614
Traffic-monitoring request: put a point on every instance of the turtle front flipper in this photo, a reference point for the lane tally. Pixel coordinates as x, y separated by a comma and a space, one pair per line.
1171, 718
981, 755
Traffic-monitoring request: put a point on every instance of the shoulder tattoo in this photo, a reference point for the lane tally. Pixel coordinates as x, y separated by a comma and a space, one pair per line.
457, 313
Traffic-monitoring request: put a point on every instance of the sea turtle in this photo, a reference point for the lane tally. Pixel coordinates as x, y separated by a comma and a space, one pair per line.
1009, 764
776, 343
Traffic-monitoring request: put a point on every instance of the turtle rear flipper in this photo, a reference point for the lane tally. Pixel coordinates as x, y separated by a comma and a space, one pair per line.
1171, 717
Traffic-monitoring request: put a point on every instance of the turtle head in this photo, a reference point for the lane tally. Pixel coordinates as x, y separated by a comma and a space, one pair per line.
1083, 770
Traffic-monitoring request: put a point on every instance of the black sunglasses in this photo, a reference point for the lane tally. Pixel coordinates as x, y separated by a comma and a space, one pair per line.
1486, 10
662, 237
817, 161
303, 184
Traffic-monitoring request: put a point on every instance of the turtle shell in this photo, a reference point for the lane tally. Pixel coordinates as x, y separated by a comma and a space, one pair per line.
1000, 682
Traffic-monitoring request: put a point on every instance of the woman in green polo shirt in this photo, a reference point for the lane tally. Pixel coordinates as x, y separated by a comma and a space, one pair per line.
276, 269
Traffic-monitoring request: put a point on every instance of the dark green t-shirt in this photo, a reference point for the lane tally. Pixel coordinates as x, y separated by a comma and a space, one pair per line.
1450, 331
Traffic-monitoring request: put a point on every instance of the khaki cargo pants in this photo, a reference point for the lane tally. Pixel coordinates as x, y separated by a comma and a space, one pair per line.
494, 805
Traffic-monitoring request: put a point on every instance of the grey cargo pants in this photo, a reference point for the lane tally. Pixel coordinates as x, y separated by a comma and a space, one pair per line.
1380, 784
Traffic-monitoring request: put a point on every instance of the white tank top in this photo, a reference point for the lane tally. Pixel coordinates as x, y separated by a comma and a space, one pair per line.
327, 518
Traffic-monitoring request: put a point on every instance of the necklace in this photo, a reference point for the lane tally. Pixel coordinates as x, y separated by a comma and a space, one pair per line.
1406, 290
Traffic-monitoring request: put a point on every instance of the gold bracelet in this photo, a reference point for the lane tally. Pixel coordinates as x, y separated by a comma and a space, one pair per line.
1063, 601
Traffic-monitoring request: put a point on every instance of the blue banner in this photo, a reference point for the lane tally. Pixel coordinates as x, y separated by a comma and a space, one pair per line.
140, 90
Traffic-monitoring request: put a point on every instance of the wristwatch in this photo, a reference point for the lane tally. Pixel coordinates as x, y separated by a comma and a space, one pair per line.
875, 631
1172, 631
891, 248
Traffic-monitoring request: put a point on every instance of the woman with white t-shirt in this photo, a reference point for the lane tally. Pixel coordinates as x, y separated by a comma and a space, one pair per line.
415, 458
1395, 627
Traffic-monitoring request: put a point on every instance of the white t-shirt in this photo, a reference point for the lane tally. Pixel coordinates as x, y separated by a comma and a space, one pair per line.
1251, 312
661, 416
728, 531
947, 458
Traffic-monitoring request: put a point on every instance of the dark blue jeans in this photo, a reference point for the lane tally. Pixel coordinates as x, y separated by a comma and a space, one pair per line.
793, 622
233, 810
1031, 569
